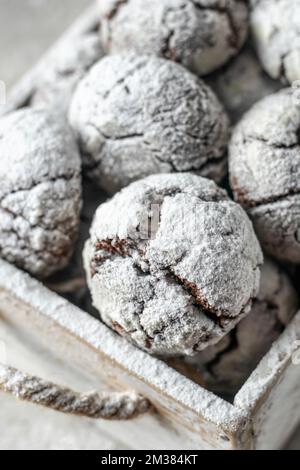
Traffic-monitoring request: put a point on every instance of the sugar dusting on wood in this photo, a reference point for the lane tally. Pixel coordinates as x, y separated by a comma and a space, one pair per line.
150, 370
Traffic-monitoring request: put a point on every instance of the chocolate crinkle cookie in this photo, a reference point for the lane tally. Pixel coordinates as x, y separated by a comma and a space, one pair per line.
40, 191
172, 263
137, 116
265, 172
200, 34
275, 27
226, 366
65, 68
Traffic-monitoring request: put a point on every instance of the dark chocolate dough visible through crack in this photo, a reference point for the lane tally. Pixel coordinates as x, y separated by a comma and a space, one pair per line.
184, 31
154, 272
40, 191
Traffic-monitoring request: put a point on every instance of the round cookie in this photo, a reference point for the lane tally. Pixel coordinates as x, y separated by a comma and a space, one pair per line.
202, 35
226, 366
275, 28
264, 161
172, 263
137, 116
40, 191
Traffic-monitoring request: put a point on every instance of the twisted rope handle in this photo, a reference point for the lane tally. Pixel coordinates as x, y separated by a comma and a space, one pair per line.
111, 406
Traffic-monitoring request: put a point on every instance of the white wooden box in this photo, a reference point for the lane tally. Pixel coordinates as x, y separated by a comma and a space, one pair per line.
264, 413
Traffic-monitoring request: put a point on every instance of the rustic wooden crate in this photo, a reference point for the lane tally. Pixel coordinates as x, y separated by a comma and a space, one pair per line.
265, 411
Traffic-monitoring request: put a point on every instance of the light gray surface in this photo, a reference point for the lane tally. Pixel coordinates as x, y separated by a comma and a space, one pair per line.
27, 29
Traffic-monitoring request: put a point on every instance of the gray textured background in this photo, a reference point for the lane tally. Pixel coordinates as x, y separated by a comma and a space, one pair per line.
27, 29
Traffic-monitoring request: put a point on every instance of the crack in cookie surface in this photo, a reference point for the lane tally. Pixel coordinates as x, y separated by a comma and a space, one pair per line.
147, 284
184, 31
264, 162
40, 191
172, 124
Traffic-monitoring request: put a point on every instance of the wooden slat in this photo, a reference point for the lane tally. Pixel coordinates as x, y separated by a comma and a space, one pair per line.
272, 393
87, 342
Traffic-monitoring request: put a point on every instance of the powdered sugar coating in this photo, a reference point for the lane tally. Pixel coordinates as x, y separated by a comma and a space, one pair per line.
40, 191
136, 116
227, 365
275, 27
66, 67
200, 34
265, 172
187, 285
